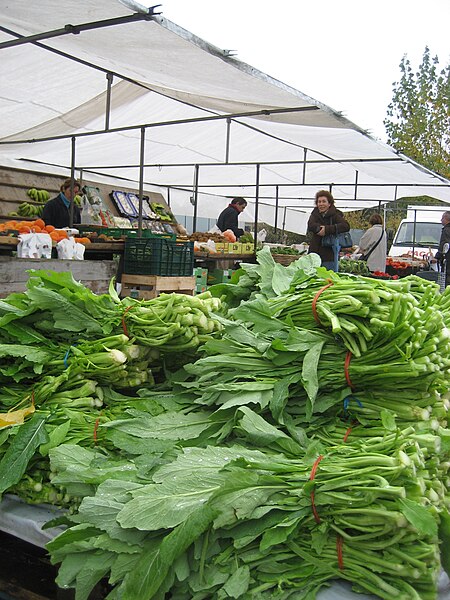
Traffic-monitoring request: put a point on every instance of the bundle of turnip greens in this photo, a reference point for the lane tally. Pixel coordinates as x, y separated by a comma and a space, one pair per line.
234, 521
63, 352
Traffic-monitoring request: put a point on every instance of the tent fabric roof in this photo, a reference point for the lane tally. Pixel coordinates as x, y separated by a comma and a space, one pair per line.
183, 89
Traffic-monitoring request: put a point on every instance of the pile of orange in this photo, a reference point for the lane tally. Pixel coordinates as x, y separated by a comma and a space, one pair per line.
37, 226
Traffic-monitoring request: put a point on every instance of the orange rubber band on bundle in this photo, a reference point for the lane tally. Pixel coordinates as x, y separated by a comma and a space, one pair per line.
311, 478
97, 422
316, 297
340, 556
348, 358
124, 326
347, 433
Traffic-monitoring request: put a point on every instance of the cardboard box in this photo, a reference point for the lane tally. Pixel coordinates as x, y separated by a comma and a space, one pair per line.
235, 248
248, 248
221, 247
199, 289
201, 275
219, 276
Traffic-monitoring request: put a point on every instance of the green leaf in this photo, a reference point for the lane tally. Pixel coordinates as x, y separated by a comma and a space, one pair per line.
169, 426
56, 437
262, 433
23, 446
165, 505
65, 314
237, 584
153, 567
85, 569
388, 420
419, 517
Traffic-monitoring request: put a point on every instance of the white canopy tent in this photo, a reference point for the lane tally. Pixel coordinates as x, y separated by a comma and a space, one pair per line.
148, 102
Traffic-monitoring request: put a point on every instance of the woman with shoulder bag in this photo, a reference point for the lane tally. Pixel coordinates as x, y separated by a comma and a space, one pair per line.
373, 244
326, 220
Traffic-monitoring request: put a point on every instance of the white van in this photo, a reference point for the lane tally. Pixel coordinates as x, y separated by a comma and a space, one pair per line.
418, 235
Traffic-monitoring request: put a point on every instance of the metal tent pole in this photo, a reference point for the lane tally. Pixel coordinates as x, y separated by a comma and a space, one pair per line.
256, 206
276, 207
72, 180
109, 78
194, 219
227, 146
141, 179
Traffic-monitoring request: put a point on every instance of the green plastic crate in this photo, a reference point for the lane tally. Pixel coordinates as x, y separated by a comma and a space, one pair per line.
116, 232
158, 256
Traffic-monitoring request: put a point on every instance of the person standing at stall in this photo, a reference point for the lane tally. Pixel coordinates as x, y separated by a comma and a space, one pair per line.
441, 256
228, 218
373, 244
325, 219
57, 211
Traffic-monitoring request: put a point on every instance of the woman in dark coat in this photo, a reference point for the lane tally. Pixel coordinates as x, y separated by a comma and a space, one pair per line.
325, 219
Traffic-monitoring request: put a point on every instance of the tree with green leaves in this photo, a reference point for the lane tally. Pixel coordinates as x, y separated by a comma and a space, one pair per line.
418, 117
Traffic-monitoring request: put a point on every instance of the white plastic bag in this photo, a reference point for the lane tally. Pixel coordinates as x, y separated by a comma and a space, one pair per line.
214, 229
34, 245
69, 249
261, 236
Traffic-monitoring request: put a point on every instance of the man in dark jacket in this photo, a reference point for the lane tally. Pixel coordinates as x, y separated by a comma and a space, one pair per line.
228, 218
57, 211
445, 239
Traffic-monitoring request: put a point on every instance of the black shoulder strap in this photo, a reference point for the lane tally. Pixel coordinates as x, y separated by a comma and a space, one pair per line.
373, 247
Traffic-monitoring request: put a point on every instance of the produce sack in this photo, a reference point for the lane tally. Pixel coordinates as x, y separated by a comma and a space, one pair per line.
69, 249
344, 240
34, 245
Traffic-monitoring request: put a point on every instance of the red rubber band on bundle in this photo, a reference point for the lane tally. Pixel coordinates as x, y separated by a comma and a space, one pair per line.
347, 433
97, 423
340, 556
311, 478
316, 297
124, 326
348, 358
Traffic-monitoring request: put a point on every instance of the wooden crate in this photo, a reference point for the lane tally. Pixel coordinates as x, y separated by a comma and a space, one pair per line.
145, 287
94, 274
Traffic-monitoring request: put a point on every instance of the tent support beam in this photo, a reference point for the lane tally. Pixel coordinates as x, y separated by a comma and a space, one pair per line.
249, 163
254, 113
255, 228
305, 151
227, 143
277, 190
194, 219
141, 180
109, 79
76, 29
72, 180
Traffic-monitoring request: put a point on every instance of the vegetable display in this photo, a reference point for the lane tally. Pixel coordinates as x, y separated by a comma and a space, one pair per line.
308, 442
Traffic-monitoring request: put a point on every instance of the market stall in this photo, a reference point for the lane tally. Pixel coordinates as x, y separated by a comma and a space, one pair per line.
266, 434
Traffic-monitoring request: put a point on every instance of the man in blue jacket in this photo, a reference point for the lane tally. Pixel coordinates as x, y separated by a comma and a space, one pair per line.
228, 218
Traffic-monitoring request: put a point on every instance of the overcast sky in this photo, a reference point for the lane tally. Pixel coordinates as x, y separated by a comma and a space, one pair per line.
345, 54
